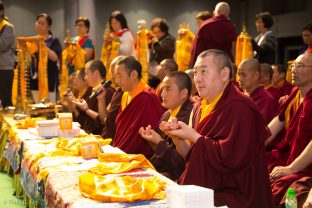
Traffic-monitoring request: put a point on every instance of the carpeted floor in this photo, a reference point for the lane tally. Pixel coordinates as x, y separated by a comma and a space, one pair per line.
7, 199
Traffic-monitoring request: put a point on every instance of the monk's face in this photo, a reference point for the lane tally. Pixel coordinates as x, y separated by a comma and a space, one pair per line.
79, 82
247, 78
123, 78
277, 76
301, 73
171, 95
90, 76
209, 78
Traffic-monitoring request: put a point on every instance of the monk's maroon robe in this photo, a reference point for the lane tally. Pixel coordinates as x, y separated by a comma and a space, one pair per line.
166, 158
145, 109
266, 104
89, 124
112, 112
229, 157
298, 136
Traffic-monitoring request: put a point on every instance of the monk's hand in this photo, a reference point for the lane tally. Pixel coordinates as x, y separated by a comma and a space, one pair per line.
184, 132
280, 171
102, 91
82, 104
150, 135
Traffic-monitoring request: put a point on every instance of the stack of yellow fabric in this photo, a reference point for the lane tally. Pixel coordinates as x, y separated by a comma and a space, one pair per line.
102, 184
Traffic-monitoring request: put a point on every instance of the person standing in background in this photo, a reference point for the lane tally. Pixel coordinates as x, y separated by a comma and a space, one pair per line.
119, 26
217, 32
265, 43
43, 29
7, 58
307, 37
202, 16
162, 44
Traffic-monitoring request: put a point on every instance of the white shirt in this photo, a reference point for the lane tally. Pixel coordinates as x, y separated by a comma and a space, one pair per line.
127, 44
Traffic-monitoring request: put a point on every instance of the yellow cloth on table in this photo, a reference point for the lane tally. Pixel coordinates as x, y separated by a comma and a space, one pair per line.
119, 163
120, 188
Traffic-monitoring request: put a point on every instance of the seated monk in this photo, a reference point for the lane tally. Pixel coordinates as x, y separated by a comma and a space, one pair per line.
114, 106
292, 158
279, 82
194, 93
140, 106
224, 150
266, 74
249, 81
176, 97
165, 67
91, 113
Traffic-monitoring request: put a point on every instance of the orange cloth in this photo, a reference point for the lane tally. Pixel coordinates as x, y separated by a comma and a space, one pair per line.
208, 107
142, 51
184, 47
293, 104
127, 97
119, 163
120, 188
243, 47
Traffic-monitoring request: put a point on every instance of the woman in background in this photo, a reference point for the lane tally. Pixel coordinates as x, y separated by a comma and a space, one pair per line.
120, 32
43, 29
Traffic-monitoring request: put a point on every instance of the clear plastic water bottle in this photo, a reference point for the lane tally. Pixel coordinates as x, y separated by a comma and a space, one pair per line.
291, 199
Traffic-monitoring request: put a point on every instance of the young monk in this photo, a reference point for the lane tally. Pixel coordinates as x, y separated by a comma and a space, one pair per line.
176, 93
249, 81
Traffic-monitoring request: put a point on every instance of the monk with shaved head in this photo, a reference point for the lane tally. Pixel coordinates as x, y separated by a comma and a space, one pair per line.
224, 147
215, 33
249, 81
291, 160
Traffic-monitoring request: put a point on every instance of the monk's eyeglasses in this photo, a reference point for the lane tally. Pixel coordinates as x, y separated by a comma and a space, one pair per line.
299, 66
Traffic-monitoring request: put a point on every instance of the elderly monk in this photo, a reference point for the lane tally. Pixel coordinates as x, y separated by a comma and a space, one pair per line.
176, 94
140, 107
292, 157
249, 81
224, 150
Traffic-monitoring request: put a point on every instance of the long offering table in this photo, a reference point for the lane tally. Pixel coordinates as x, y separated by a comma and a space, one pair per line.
48, 173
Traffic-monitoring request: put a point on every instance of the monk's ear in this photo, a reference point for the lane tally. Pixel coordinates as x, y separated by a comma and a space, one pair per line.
134, 74
184, 93
225, 73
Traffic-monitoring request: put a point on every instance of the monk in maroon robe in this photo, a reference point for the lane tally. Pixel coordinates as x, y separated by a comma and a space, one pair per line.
140, 107
225, 151
249, 81
217, 32
89, 115
279, 82
112, 112
291, 160
176, 93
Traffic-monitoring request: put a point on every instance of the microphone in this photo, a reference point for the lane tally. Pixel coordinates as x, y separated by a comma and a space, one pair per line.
106, 84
